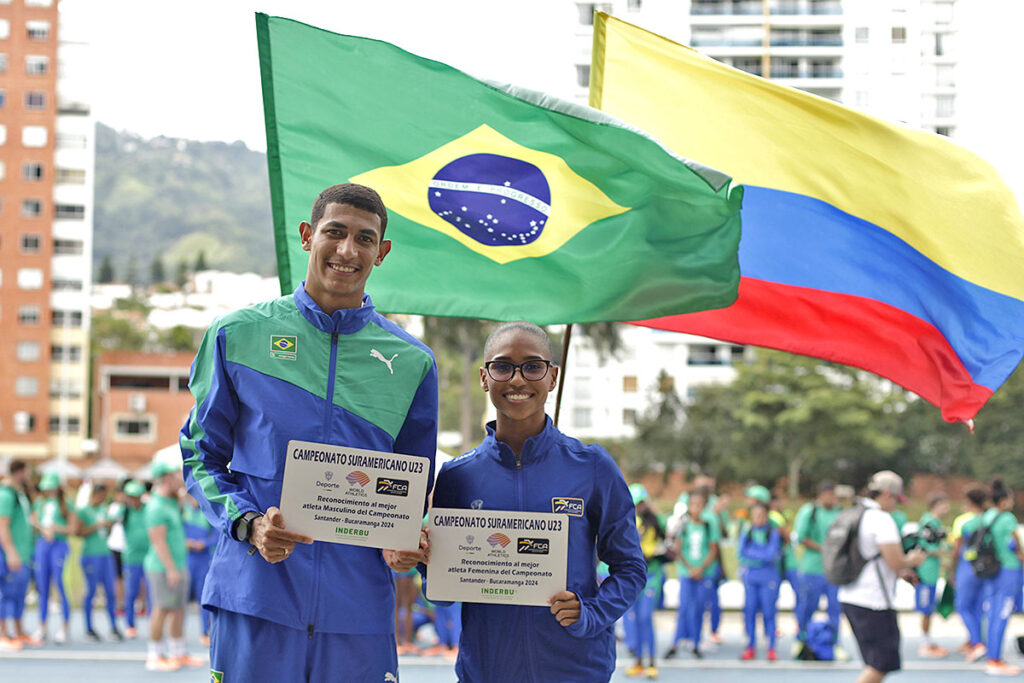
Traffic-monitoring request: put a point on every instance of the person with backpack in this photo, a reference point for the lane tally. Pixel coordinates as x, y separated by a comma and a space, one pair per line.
967, 585
864, 555
15, 555
928, 528
992, 534
759, 551
812, 523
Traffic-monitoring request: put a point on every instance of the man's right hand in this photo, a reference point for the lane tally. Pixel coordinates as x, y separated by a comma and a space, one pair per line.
270, 537
13, 562
916, 557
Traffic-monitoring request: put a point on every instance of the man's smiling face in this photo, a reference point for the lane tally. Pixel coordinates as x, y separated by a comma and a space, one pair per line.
343, 248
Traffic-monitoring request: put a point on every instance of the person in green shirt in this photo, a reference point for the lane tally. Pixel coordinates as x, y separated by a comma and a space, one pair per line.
641, 614
809, 530
15, 555
166, 571
928, 572
697, 551
54, 519
97, 562
1002, 589
136, 545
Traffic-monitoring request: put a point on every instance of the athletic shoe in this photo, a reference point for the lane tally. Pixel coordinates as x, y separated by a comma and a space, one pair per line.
635, 670
840, 654
92, 635
716, 639
772, 656
10, 644
748, 654
708, 646
964, 649
671, 654
453, 652
697, 653
116, 636
131, 633
190, 661
30, 641
162, 664
62, 635
996, 667
651, 672
40, 635
932, 651
976, 653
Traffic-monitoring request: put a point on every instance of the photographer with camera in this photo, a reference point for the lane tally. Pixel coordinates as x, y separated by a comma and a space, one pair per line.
929, 537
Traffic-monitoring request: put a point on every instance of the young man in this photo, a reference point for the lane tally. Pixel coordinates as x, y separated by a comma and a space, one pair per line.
928, 573
339, 373
97, 561
811, 525
868, 601
166, 572
15, 555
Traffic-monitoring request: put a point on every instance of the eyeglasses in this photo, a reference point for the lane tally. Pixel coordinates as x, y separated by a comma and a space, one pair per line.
531, 370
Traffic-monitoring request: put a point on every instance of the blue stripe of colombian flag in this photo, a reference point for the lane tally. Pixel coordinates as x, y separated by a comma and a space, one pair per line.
863, 243
833, 286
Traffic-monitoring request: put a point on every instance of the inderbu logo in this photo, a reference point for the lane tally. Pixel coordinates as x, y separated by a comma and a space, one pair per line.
533, 546
567, 506
393, 487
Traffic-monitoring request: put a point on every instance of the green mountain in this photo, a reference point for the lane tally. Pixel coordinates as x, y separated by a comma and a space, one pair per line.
176, 198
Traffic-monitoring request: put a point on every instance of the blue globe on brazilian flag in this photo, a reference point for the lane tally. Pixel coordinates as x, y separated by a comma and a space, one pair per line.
503, 203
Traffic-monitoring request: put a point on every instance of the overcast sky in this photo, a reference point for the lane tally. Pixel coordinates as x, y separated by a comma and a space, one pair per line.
189, 68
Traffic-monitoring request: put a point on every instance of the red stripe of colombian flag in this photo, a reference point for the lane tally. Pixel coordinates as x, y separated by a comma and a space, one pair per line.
863, 243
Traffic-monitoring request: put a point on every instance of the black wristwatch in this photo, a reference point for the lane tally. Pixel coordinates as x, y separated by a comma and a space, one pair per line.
241, 530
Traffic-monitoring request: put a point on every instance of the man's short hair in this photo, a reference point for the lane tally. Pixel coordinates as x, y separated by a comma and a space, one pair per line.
359, 196
826, 486
16, 466
520, 326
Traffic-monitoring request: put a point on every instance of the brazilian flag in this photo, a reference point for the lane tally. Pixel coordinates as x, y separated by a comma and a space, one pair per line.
503, 204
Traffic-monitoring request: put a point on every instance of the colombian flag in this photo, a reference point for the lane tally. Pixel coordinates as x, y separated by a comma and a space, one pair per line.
863, 243
503, 204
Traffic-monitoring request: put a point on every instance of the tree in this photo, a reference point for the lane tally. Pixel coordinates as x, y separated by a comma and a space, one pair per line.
657, 442
180, 338
106, 274
462, 341
181, 275
112, 331
200, 262
156, 271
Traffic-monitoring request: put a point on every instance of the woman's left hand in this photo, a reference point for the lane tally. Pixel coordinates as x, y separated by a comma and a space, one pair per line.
566, 607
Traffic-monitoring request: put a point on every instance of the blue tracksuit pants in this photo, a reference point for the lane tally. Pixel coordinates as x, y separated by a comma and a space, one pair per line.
967, 597
642, 613
49, 564
13, 587
448, 623
715, 603
134, 577
761, 591
245, 648
811, 588
99, 569
198, 566
694, 600
1000, 593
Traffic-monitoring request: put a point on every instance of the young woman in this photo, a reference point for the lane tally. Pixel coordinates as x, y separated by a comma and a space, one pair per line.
1001, 590
54, 520
759, 552
525, 464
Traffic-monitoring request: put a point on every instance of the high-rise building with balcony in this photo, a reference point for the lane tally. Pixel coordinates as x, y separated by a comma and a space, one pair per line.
46, 166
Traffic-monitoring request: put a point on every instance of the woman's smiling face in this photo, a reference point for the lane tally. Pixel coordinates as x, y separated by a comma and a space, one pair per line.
518, 398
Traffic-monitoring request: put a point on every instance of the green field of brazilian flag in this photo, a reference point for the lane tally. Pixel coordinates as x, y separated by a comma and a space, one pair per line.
503, 204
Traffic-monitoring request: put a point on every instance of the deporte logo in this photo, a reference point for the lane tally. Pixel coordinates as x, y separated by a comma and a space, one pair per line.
533, 546
393, 487
567, 506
